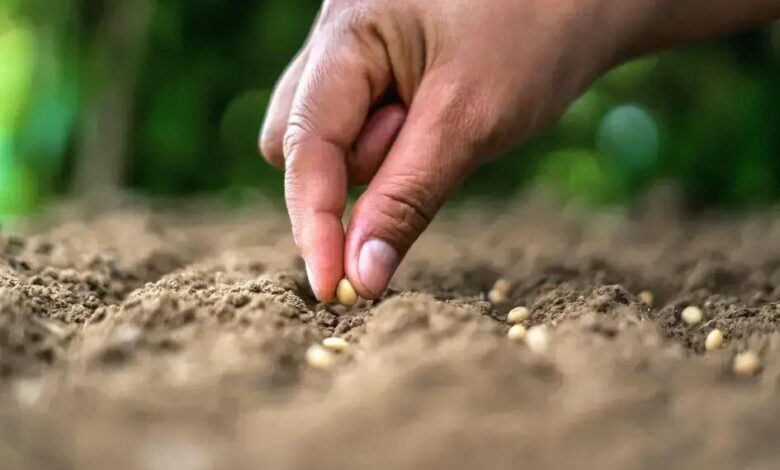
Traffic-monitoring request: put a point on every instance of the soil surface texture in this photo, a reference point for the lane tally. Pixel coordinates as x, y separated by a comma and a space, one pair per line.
139, 339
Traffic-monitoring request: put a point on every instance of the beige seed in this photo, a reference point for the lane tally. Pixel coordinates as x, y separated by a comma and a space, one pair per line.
714, 340
516, 333
692, 315
345, 293
517, 315
537, 339
319, 358
503, 285
646, 297
746, 364
497, 297
335, 344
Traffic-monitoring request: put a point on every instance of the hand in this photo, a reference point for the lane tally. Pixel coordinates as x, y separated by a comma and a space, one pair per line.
409, 96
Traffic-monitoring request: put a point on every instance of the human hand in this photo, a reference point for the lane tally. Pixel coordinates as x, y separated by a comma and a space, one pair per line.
470, 79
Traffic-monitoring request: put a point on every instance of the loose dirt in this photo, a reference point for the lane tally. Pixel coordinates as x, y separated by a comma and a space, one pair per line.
166, 340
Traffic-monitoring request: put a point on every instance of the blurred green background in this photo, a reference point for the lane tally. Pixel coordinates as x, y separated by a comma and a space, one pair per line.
165, 97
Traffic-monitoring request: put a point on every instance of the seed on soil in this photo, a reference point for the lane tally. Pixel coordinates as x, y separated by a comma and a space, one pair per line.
516, 333
692, 315
127, 335
319, 358
746, 364
499, 294
517, 315
646, 297
537, 339
345, 293
28, 392
335, 344
497, 297
714, 340
503, 285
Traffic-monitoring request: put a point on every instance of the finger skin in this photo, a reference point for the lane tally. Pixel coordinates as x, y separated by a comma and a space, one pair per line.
327, 115
469, 97
316, 192
278, 113
374, 143
429, 157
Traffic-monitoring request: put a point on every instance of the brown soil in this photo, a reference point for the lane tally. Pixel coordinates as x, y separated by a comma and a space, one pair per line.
157, 341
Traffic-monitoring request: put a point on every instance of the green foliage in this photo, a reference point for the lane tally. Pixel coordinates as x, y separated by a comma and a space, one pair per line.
704, 116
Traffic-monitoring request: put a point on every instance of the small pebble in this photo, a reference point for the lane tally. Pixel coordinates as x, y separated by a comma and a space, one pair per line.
345, 293
714, 340
746, 364
537, 339
319, 358
692, 315
646, 297
516, 333
335, 344
517, 315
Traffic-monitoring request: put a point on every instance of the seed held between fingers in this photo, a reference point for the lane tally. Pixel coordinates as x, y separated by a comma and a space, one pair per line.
692, 315
345, 293
714, 340
517, 315
335, 344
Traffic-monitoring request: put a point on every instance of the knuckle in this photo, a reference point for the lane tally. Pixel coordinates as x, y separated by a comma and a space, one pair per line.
408, 204
299, 128
465, 113
470, 119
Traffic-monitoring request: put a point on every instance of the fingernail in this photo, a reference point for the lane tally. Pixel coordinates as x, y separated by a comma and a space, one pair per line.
376, 265
310, 275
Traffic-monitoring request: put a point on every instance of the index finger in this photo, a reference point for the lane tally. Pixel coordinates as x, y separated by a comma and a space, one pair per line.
327, 115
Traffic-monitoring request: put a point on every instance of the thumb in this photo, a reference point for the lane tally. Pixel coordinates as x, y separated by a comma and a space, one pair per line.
432, 154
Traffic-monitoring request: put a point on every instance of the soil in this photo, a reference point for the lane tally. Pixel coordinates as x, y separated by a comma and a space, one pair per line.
176, 339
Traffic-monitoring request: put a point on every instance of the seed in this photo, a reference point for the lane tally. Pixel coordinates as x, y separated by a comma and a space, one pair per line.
714, 340
503, 285
646, 297
499, 294
516, 333
746, 364
345, 293
537, 339
692, 315
28, 392
335, 344
517, 315
319, 358
497, 297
